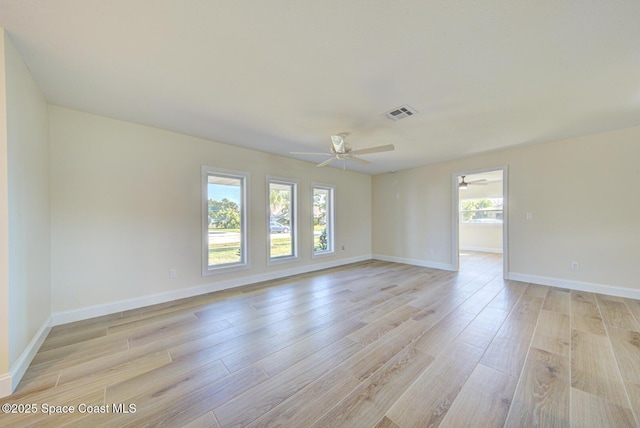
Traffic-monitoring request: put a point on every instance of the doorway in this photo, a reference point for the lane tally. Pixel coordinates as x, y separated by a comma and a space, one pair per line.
480, 219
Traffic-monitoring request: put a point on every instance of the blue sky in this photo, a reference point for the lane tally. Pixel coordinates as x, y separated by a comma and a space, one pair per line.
220, 191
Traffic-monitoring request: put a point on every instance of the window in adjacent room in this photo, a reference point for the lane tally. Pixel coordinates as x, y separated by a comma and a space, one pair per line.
481, 211
224, 219
323, 210
282, 218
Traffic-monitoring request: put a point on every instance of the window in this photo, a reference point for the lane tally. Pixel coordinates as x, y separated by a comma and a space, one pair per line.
323, 219
282, 218
481, 211
224, 219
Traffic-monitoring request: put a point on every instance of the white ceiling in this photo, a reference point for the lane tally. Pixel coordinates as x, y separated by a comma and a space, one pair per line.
283, 75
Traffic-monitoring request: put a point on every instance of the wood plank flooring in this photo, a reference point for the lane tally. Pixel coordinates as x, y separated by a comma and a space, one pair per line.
373, 344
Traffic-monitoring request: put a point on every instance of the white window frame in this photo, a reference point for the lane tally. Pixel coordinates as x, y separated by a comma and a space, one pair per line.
244, 178
293, 227
331, 226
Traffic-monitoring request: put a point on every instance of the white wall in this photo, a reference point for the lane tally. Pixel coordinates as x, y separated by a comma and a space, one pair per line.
126, 208
481, 236
29, 241
27, 173
577, 189
5, 375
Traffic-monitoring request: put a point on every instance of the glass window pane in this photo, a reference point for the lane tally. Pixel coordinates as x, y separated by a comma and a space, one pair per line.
482, 211
322, 220
225, 231
281, 220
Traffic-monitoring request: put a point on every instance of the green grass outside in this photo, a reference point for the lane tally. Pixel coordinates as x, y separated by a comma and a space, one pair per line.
281, 247
229, 252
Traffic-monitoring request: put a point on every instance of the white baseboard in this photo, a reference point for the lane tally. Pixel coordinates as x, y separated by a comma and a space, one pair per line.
415, 262
576, 285
482, 249
80, 314
6, 387
20, 366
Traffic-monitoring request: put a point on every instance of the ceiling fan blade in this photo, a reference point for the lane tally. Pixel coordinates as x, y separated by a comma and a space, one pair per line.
338, 143
478, 181
377, 149
309, 153
327, 162
362, 161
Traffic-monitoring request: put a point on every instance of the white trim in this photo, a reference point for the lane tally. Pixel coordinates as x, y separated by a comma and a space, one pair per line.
282, 260
505, 220
293, 224
415, 262
330, 221
20, 366
455, 221
482, 249
455, 214
6, 388
245, 220
80, 314
590, 287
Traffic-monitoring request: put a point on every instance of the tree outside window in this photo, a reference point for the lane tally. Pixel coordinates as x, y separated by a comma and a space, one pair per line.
322, 219
282, 219
479, 211
224, 234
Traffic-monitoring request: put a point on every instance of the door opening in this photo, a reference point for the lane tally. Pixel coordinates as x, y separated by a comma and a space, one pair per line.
480, 220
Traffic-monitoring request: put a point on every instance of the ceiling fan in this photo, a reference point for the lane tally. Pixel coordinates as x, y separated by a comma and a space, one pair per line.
340, 150
464, 184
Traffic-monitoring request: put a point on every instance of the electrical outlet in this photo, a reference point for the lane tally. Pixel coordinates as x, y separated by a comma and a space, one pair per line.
173, 273
575, 266
529, 216
343, 248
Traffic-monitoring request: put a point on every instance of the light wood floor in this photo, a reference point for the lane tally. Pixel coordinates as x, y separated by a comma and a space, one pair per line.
373, 344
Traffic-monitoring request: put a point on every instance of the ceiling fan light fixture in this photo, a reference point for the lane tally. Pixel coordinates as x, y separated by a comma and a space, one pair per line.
463, 184
340, 150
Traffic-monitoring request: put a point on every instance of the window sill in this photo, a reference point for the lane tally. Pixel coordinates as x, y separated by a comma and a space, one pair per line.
282, 260
224, 269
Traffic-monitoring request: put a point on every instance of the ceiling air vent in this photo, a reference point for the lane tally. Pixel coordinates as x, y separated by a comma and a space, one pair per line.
400, 113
